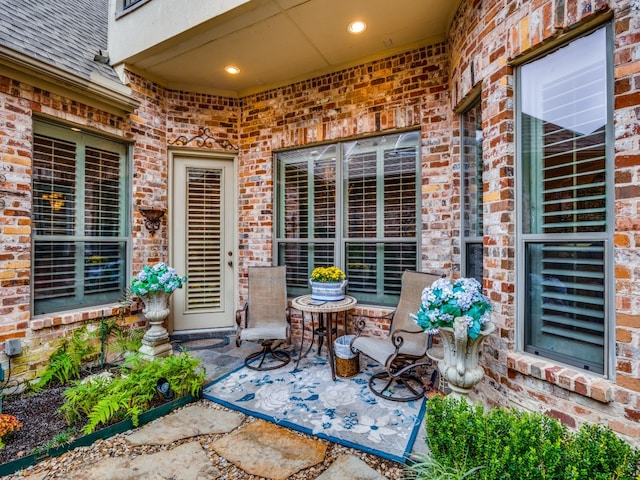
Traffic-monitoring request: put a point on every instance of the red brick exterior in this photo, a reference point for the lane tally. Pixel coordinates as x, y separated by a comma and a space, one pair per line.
419, 89
485, 40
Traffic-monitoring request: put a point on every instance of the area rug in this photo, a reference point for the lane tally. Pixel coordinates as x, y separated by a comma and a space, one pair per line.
306, 399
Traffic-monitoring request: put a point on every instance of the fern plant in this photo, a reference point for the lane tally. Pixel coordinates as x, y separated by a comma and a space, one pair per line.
66, 361
130, 394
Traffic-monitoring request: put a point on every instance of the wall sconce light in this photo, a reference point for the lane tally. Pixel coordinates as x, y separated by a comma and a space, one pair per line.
152, 217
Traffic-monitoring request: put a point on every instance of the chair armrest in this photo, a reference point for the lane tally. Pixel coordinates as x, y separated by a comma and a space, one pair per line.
398, 336
242, 313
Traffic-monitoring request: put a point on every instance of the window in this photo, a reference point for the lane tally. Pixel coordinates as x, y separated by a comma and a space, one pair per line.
80, 192
354, 205
471, 158
565, 127
130, 3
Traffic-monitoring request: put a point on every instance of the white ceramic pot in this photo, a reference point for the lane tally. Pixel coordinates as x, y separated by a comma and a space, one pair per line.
327, 291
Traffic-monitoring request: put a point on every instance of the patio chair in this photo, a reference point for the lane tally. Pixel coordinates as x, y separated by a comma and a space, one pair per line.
401, 351
265, 318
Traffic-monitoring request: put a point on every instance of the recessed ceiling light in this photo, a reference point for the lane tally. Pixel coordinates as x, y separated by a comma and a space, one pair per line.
357, 26
232, 69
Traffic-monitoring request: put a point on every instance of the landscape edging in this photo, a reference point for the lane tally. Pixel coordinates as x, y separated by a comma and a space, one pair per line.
120, 427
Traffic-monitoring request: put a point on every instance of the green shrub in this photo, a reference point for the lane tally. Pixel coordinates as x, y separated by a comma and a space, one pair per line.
104, 401
510, 444
597, 453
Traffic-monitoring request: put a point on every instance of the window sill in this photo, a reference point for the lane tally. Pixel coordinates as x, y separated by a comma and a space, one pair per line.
73, 316
582, 383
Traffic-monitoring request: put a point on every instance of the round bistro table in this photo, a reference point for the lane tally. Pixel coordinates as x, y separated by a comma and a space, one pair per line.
327, 314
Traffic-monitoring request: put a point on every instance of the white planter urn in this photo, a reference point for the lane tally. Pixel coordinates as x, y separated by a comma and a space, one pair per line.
458, 357
155, 342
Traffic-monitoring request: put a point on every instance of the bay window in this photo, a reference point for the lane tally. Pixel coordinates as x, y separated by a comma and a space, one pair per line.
354, 205
565, 131
80, 227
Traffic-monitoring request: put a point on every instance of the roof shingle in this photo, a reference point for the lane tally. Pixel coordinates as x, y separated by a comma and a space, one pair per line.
64, 33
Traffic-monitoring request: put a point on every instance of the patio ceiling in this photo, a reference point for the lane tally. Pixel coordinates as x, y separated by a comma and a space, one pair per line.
277, 42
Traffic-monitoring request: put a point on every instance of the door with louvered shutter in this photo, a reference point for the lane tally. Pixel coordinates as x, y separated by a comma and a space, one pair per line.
203, 222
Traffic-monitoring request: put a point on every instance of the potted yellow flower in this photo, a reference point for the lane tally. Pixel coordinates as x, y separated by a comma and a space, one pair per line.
327, 284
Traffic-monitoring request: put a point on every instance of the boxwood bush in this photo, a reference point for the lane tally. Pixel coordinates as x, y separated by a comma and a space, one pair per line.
511, 444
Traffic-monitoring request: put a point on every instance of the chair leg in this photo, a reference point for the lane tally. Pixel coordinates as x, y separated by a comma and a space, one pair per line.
274, 358
400, 386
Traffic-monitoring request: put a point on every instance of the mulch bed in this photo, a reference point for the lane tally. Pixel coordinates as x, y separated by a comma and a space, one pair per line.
42, 426
41, 422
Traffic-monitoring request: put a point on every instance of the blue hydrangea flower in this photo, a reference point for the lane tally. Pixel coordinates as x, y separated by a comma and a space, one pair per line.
444, 301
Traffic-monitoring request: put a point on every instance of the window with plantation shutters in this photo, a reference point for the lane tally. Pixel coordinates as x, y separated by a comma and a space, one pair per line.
79, 223
307, 212
353, 205
564, 124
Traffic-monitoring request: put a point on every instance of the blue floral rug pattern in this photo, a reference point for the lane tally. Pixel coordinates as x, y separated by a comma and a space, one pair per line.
306, 399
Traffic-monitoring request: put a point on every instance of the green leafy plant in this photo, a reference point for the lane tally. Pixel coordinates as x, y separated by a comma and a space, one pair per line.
431, 469
127, 396
129, 340
116, 339
62, 438
85, 347
66, 361
510, 444
596, 453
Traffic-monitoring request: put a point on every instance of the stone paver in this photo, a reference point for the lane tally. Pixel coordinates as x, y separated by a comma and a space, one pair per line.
348, 466
267, 450
188, 422
185, 462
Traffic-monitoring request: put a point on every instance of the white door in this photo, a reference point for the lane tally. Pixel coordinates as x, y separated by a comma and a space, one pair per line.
203, 227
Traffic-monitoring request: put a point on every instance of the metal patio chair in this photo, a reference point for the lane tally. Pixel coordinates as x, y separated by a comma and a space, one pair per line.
265, 318
403, 349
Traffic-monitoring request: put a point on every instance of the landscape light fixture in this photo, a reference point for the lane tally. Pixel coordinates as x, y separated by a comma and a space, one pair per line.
164, 388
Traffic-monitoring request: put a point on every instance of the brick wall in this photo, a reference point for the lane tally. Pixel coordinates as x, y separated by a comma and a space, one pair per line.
485, 37
19, 102
402, 91
418, 89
